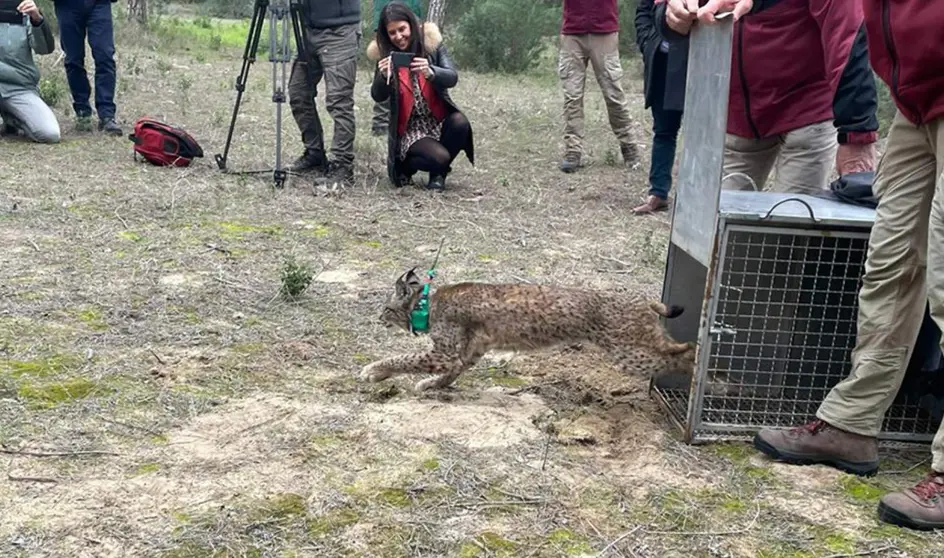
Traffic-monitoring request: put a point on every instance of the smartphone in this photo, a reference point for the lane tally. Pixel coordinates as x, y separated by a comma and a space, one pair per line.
401, 59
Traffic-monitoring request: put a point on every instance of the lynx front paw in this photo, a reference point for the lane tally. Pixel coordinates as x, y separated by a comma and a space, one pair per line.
427, 384
374, 373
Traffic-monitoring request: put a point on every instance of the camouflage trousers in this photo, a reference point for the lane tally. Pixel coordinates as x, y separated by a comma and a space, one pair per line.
602, 52
332, 58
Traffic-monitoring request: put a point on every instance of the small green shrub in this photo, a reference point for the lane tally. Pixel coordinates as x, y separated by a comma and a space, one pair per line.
295, 278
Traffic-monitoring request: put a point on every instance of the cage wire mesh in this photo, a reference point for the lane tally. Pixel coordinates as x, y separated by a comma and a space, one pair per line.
782, 328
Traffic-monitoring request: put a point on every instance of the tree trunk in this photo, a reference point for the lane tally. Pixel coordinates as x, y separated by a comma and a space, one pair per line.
437, 9
138, 11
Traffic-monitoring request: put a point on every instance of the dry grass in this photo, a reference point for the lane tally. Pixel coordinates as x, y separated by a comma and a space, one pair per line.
192, 411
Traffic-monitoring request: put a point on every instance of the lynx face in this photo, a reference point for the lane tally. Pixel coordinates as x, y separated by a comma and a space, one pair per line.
406, 290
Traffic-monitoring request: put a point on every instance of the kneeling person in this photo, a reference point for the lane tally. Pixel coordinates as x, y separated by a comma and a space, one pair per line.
427, 129
23, 32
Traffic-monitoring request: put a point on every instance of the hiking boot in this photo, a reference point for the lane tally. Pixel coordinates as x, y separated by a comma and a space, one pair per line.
630, 154
310, 161
83, 123
653, 204
819, 442
571, 162
109, 126
337, 177
919, 507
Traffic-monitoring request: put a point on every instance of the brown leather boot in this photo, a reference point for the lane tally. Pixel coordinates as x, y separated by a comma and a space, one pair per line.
919, 507
818, 442
653, 204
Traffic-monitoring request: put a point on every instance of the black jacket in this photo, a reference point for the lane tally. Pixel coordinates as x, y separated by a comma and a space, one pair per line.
320, 14
445, 77
665, 73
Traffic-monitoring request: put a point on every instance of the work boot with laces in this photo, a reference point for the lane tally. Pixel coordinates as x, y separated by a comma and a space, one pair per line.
820, 443
311, 160
919, 507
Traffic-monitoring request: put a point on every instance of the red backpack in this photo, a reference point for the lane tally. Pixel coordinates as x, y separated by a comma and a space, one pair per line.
164, 145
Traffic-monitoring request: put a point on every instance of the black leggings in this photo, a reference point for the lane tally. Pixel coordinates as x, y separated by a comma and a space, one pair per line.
436, 157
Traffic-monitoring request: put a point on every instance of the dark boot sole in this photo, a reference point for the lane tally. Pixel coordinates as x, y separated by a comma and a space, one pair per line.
895, 517
860, 469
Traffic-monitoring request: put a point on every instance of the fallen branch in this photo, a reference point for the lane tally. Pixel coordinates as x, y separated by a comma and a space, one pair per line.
31, 479
618, 539
863, 553
76, 453
489, 503
740, 531
131, 426
159, 359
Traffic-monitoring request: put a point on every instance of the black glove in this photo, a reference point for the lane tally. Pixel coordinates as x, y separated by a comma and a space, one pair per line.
855, 188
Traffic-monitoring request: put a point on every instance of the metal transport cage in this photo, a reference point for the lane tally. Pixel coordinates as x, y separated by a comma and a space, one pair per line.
770, 283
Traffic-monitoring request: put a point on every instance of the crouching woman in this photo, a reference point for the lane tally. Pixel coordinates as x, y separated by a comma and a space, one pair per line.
427, 129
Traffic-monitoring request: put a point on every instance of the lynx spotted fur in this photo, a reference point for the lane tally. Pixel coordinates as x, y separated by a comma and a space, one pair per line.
466, 320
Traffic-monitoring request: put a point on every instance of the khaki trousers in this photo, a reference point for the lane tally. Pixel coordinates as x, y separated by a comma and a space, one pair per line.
602, 52
804, 159
904, 269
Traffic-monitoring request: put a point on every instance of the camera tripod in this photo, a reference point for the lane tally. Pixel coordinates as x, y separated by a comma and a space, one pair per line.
280, 54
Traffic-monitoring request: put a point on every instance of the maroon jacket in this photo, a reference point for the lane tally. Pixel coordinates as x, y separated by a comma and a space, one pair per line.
590, 16
907, 52
796, 63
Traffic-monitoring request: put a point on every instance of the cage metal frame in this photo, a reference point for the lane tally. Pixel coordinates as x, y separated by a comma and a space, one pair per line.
688, 411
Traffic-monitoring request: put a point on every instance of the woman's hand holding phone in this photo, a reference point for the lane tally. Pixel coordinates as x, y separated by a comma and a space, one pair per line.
384, 66
421, 66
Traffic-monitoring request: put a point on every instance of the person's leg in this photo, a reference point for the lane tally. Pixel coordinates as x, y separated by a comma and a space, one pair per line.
29, 113
338, 48
572, 70
455, 134
922, 505
101, 39
302, 90
807, 157
381, 118
429, 155
71, 21
665, 129
604, 55
891, 305
747, 161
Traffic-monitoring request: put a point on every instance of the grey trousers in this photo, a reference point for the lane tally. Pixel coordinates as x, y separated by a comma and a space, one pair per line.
332, 58
28, 113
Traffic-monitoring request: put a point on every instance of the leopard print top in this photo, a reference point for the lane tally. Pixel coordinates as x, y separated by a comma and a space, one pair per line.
422, 123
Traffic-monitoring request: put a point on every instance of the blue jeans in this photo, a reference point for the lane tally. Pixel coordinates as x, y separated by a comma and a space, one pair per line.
76, 20
665, 129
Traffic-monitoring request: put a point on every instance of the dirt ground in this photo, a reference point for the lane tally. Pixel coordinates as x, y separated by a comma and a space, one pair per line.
158, 398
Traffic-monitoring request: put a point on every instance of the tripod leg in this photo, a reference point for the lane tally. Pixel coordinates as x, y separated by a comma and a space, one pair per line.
280, 55
249, 56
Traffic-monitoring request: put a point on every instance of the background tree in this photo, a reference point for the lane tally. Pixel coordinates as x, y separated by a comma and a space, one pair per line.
138, 11
437, 11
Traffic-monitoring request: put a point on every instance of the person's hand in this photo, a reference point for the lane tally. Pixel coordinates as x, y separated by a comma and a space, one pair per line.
421, 66
384, 66
709, 12
29, 8
855, 158
680, 15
